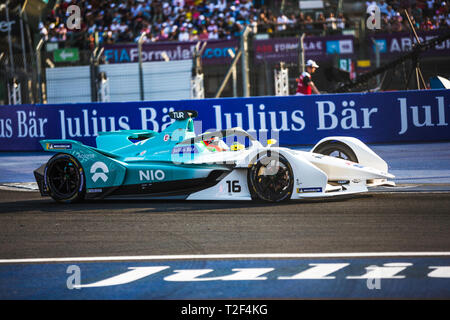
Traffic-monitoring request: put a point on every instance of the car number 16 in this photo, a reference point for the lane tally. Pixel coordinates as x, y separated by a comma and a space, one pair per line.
233, 186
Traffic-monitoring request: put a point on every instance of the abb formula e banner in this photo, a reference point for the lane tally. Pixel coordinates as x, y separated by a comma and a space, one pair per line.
318, 48
398, 43
293, 120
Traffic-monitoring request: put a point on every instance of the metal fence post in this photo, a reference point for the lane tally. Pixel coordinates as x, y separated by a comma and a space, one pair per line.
38, 70
11, 59
245, 70
377, 59
234, 74
197, 85
301, 54
227, 76
141, 74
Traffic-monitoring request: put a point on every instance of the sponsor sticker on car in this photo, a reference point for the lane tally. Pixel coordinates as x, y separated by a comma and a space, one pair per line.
185, 149
309, 190
59, 146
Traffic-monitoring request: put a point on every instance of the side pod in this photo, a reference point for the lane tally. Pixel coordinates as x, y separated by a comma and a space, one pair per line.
95, 163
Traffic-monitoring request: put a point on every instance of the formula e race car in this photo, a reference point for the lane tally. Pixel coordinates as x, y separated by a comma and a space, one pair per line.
222, 165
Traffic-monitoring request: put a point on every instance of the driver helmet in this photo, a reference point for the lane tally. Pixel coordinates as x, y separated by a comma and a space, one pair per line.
214, 143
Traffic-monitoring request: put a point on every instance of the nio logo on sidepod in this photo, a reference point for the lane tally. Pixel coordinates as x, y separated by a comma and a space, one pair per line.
150, 175
99, 175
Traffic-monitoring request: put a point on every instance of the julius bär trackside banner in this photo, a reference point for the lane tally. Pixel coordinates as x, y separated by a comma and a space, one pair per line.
372, 117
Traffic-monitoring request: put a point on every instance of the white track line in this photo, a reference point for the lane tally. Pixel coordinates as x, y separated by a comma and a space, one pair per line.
232, 256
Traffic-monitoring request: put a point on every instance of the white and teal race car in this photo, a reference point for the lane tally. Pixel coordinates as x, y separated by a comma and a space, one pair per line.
222, 165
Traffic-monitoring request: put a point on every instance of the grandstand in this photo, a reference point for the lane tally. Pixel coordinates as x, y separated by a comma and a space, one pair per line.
178, 20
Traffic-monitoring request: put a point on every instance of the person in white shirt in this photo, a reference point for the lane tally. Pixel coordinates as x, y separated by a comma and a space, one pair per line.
341, 21
43, 31
183, 35
214, 35
178, 3
282, 21
331, 22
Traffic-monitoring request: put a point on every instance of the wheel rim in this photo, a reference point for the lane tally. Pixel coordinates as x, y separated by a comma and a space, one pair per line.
63, 178
272, 179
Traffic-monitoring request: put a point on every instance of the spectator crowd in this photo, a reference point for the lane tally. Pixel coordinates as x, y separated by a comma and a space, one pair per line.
113, 21
425, 15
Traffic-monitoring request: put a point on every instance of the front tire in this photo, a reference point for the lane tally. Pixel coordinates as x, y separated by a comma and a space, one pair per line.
64, 178
271, 177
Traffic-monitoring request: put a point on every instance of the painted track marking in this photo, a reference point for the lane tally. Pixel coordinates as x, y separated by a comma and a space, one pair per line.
232, 256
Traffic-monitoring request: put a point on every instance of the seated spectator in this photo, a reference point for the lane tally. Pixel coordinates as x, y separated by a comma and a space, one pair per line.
417, 13
301, 20
320, 22
427, 25
282, 21
383, 7
204, 35
193, 36
214, 34
430, 8
309, 23
292, 22
391, 13
341, 21
43, 31
385, 23
183, 35
397, 25
331, 22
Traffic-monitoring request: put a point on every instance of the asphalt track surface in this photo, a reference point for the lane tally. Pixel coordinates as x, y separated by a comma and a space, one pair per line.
375, 222
413, 217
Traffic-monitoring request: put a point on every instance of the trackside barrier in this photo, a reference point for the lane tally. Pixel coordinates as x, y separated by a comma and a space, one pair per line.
372, 117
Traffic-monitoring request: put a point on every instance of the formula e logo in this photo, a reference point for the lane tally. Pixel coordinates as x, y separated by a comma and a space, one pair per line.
99, 175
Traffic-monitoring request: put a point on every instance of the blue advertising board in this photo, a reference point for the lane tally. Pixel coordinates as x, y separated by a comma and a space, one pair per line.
294, 120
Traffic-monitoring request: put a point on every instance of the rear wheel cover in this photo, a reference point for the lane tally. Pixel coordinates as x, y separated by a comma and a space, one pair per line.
271, 178
337, 150
64, 178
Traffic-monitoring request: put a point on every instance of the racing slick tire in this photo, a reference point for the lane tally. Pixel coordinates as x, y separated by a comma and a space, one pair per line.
64, 178
270, 178
336, 149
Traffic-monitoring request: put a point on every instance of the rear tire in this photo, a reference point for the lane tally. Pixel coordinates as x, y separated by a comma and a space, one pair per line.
336, 149
64, 177
271, 177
